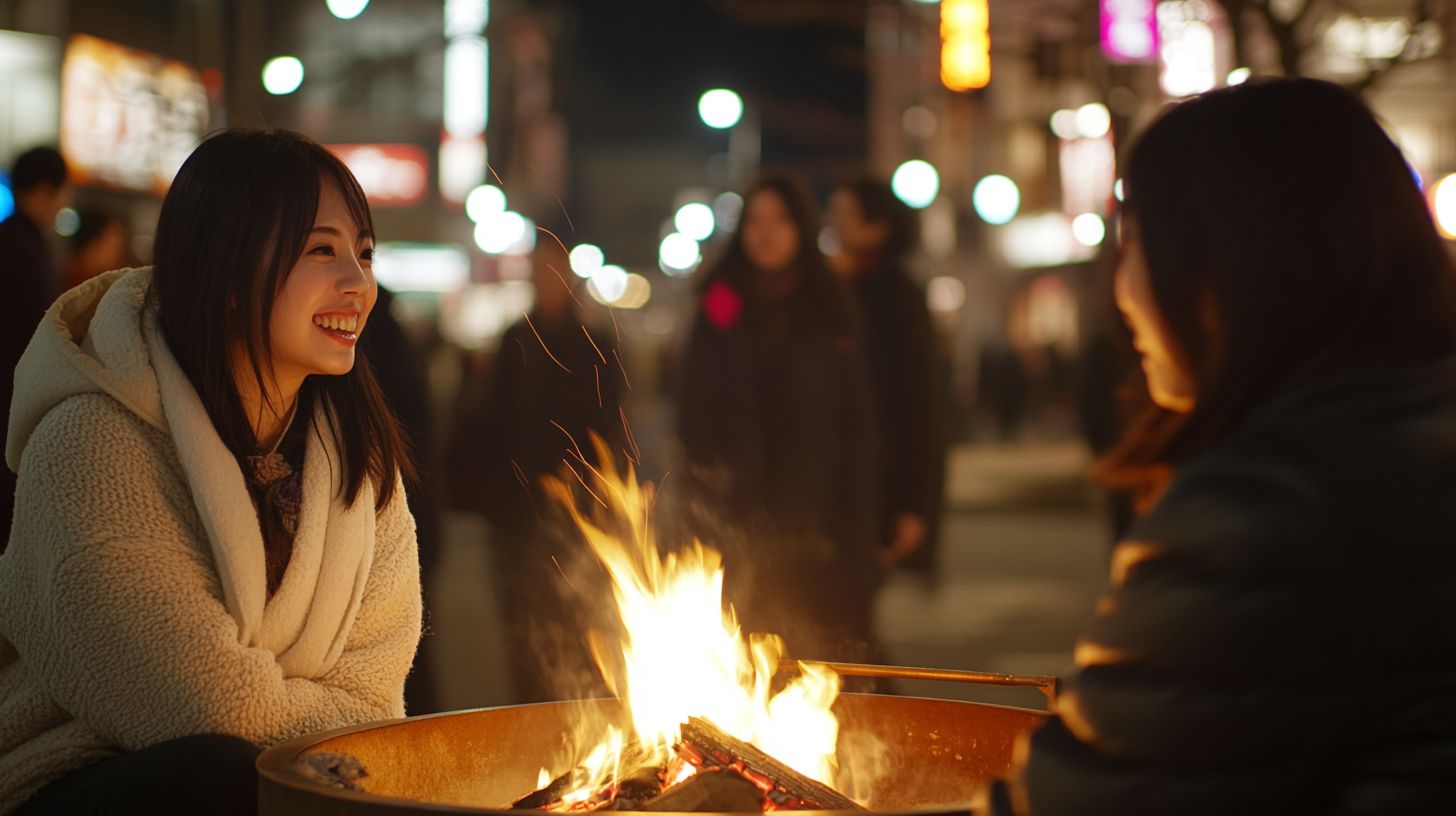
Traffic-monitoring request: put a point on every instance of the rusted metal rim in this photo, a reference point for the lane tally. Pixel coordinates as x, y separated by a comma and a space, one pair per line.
472, 762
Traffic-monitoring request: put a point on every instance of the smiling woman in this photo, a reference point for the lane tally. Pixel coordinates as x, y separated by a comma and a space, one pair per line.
211, 549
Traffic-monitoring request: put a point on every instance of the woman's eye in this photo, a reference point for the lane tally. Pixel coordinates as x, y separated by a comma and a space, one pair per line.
322, 250
367, 255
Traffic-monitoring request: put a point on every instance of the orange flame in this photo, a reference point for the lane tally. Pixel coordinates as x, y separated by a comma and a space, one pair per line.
682, 653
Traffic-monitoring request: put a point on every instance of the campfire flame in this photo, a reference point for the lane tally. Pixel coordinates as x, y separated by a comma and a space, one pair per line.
682, 653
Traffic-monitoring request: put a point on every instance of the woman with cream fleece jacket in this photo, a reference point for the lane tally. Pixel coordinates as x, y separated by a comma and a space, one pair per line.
148, 644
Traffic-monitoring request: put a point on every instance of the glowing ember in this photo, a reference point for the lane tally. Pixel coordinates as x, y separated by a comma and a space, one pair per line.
682, 653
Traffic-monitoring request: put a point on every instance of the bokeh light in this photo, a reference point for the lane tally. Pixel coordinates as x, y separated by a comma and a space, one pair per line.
996, 198
678, 253
485, 201
347, 9
1443, 205
720, 108
608, 285
1064, 124
916, 183
695, 220
68, 222
586, 259
1093, 120
502, 233
282, 75
1088, 229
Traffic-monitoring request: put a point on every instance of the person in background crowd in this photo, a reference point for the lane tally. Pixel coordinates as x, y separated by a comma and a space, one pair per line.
99, 245
401, 371
212, 550
876, 233
557, 380
777, 427
38, 181
1279, 635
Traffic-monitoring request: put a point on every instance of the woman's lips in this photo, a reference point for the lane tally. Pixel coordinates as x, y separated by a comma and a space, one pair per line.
341, 337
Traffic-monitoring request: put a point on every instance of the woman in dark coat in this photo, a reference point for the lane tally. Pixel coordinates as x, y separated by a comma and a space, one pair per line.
776, 426
907, 369
1280, 631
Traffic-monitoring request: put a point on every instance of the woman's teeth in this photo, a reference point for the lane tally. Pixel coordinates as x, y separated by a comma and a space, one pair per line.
343, 323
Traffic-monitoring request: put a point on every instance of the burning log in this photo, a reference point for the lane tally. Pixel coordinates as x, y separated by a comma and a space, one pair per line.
639, 788
708, 747
710, 792
541, 799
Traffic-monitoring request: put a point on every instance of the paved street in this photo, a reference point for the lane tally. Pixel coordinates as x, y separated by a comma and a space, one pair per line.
1025, 558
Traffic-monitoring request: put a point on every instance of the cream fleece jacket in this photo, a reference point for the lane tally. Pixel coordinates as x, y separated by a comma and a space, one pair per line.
133, 605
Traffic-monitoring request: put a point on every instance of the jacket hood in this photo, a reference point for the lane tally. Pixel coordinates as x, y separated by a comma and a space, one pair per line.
90, 340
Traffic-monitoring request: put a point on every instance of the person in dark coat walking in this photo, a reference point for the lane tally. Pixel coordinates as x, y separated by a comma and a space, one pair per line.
557, 381
38, 181
1279, 635
876, 234
401, 371
778, 430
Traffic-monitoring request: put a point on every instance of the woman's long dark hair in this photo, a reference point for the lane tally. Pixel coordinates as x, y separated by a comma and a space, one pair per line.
819, 296
232, 226
1286, 240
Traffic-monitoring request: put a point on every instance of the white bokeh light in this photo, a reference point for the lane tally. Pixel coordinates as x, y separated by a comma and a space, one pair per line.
727, 209
1088, 229
695, 220
68, 222
609, 284
1064, 124
501, 233
720, 108
1239, 76
945, 294
636, 294
1093, 120
282, 75
916, 183
347, 9
1443, 205
485, 201
586, 259
678, 253
996, 198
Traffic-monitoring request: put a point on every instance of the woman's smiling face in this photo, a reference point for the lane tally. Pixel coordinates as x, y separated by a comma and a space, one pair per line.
325, 302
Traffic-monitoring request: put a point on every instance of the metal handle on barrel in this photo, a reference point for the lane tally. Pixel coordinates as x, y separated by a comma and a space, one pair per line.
1046, 684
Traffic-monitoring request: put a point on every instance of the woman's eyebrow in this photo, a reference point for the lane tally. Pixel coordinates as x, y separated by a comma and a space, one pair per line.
363, 233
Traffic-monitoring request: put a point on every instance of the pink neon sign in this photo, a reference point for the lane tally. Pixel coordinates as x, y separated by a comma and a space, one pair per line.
1130, 30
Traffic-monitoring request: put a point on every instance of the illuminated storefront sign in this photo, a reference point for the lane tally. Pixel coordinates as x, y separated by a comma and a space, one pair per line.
392, 175
1130, 30
467, 98
128, 118
965, 53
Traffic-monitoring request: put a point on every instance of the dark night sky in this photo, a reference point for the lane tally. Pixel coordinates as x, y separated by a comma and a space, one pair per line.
643, 63
631, 79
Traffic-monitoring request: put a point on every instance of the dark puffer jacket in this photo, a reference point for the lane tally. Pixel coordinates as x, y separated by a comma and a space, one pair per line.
1280, 631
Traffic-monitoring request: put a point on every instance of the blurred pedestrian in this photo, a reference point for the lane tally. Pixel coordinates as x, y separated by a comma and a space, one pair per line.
557, 381
101, 244
778, 429
1280, 631
212, 551
38, 181
401, 370
877, 232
